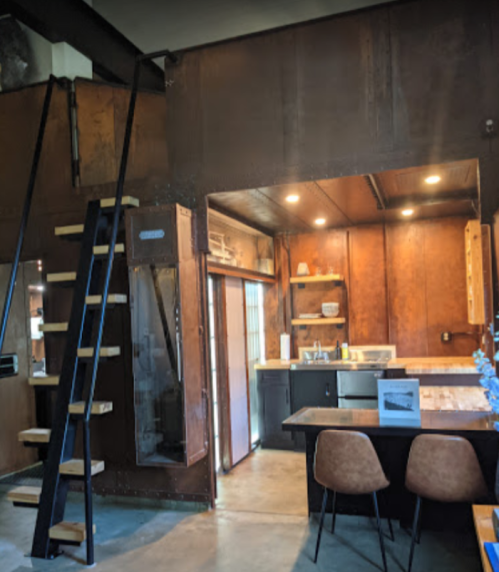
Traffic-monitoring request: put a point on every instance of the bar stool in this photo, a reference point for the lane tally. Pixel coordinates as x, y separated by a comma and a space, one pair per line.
442, 468
347, 463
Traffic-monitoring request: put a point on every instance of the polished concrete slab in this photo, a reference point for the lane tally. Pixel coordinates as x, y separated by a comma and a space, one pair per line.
239, 535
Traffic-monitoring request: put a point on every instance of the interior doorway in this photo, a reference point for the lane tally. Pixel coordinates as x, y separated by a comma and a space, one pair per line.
237, 335
23, 357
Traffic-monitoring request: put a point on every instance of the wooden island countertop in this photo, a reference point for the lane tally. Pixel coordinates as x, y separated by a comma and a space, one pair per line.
412, 365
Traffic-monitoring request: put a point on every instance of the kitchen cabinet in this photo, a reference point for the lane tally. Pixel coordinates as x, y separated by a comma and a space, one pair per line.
312, 389
274, 407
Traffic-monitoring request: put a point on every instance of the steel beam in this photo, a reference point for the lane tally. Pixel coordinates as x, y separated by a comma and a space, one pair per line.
431, 199
79, 25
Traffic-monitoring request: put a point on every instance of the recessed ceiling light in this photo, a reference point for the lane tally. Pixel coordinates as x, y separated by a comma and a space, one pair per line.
433, 179
407, 212
292, 198
320, 221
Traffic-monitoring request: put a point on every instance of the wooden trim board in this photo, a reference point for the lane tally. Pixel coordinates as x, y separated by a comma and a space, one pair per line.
98, 407
44, 380
112, 351
321, 278
70, 531
225, 270
26, 495
69, 230
103, 249
317, 321
75, 468
35, 435
54, 327
125, 202
111, 299
61, 277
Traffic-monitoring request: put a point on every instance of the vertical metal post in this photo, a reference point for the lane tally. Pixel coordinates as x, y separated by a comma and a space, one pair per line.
89, 520
27, 206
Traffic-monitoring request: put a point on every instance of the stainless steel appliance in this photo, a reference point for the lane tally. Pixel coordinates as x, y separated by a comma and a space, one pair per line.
358, 389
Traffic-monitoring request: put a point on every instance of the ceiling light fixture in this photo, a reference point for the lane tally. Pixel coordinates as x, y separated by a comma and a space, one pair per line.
292, 198
433, 179
320, 221
407, 212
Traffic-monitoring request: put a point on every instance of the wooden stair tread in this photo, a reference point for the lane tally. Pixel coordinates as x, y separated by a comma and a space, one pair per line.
126, 201
111, 351
69, 531
35, 435
69, 230
75, 467
44, 380
53, 327
111, 299
61, 277
98, 407
26, 495
103, 249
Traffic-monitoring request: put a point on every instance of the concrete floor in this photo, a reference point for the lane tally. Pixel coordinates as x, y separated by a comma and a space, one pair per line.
260, 524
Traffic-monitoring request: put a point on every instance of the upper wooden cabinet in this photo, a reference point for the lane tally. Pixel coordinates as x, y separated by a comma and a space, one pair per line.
474, 273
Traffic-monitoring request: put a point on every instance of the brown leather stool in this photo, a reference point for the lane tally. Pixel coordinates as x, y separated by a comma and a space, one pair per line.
347, 463
442, 468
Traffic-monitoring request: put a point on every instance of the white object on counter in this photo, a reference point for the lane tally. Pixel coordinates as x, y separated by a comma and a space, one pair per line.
285, 347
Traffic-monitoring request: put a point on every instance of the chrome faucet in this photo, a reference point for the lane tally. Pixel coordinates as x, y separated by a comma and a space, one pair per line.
318, 348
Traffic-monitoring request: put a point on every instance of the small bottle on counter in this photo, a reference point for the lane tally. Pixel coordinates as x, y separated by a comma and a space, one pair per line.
338, 350
345, 353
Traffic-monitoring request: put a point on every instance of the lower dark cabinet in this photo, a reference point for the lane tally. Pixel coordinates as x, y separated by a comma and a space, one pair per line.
312, 389
274, 407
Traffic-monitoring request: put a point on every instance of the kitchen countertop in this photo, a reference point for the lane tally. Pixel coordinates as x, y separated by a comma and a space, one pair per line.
412, 365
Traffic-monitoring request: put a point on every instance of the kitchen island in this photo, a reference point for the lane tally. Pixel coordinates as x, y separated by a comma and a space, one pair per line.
392, 445
285, 387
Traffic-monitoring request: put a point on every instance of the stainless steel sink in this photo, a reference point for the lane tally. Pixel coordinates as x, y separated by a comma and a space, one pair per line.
346, 365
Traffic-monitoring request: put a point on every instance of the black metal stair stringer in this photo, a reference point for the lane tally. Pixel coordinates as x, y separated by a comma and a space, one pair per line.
63, 435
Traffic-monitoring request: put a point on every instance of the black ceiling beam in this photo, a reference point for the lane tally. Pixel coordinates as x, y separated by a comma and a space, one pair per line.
79, 25
377, 191
421, 200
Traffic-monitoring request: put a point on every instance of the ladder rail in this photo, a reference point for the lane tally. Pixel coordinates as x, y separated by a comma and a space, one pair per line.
105, 291
26, 209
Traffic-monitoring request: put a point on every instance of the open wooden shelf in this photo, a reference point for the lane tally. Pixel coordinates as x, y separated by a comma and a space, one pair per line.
318, 321
321, 278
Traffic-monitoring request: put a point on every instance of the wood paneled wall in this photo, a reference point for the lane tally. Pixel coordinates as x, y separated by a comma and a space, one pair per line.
405, 284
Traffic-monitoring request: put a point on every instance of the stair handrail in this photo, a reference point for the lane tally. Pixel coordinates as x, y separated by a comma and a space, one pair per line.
9, 294
105, 292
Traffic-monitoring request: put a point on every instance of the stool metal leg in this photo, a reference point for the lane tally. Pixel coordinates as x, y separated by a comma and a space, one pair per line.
323, 514
415, 526
390, 527
380, 532
333, 514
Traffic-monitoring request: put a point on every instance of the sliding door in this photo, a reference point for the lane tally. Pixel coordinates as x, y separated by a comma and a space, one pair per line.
237, 372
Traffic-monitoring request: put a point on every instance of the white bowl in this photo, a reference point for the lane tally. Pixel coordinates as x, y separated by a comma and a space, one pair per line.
330, 309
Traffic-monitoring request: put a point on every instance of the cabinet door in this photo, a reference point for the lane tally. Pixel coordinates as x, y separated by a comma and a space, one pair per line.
274, 398
276, 408
313, 389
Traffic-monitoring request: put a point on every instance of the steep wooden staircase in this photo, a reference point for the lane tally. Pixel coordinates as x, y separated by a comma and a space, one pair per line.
75, 385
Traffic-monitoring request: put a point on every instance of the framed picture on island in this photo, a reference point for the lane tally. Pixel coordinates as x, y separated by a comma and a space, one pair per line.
398, 403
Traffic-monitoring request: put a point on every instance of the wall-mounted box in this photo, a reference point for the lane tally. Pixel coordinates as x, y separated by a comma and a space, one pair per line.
168, 363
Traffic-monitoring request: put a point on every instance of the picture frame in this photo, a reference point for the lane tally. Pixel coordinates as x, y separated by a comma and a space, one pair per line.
398, 403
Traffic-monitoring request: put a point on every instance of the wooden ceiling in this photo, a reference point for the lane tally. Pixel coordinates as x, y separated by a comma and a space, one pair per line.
350, 201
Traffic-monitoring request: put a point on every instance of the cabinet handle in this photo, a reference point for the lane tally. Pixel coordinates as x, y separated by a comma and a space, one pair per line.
328, 393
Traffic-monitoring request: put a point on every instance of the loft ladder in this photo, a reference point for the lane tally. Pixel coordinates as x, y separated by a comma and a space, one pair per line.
76, 383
